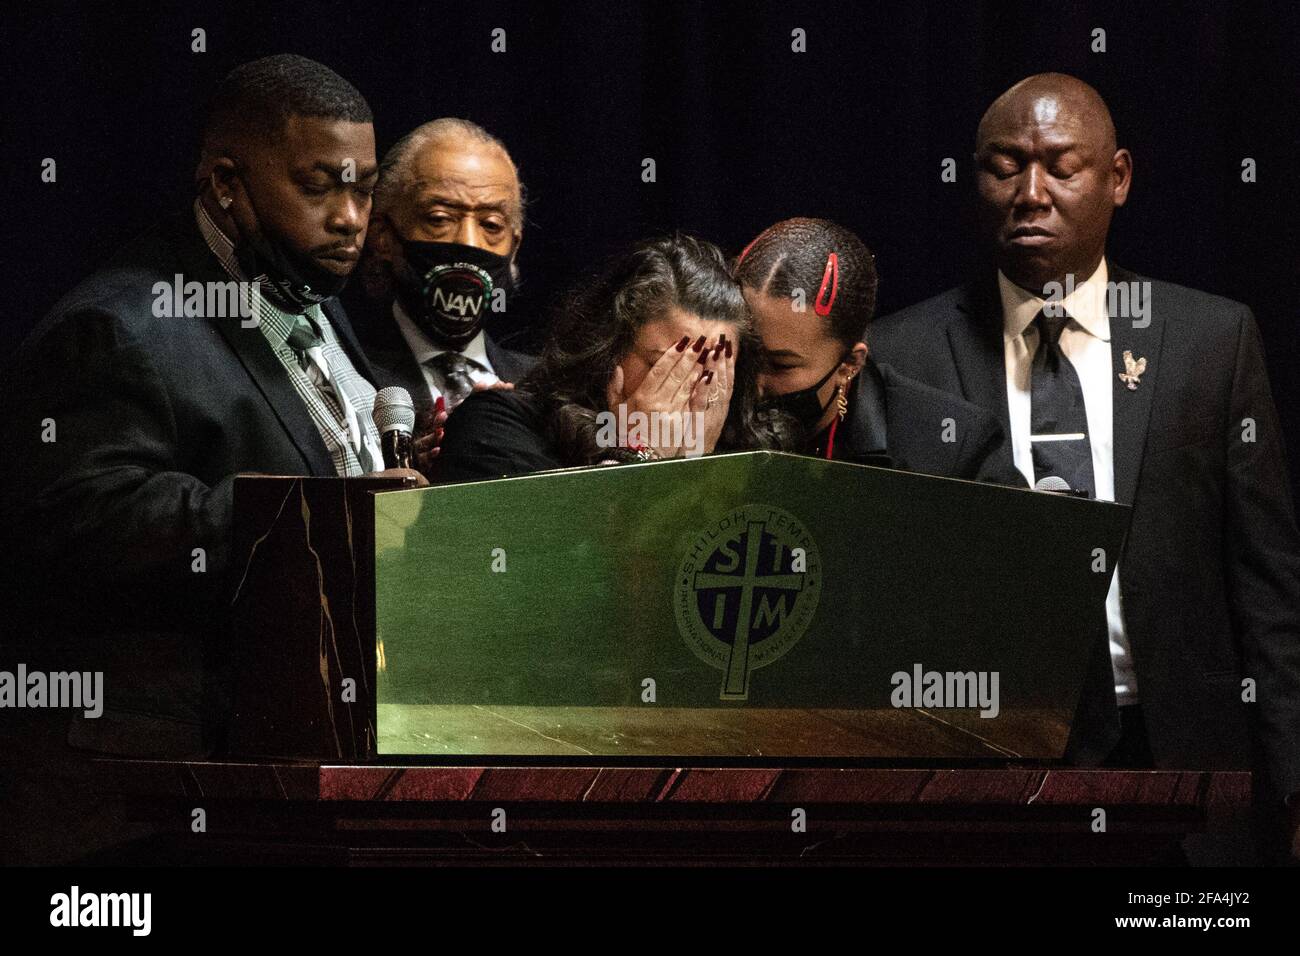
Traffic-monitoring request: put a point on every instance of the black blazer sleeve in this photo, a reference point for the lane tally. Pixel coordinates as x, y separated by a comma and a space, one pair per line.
986, 455
106, 499
494, 434
1263, 560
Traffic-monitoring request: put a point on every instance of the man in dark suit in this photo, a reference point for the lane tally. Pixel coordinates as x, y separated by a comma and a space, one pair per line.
1145, 393
440, 260
209, 347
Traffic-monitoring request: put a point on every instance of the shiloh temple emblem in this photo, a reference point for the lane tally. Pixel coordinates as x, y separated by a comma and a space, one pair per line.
746, 592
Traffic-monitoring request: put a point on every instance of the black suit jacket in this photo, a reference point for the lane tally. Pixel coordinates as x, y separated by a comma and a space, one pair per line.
1210, 573
495, 434
899, 422
394, 362
153, 417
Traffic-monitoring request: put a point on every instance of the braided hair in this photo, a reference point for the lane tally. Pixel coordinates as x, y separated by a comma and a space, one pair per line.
823, 261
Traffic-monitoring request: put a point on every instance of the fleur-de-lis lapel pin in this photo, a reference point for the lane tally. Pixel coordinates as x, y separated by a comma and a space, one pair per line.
1133, 370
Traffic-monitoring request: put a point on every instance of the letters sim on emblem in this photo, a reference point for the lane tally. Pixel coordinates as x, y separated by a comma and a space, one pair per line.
746, 570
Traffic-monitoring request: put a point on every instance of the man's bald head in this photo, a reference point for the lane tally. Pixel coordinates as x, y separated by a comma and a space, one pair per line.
1050, 177
1054, 98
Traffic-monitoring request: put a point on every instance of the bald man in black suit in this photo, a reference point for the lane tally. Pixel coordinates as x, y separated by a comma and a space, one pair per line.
1145, 393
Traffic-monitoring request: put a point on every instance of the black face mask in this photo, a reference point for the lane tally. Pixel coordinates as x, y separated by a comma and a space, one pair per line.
292, 281
448, 288
803, 405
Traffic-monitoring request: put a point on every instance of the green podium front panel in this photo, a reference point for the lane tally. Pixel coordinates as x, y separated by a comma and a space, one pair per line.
754, 604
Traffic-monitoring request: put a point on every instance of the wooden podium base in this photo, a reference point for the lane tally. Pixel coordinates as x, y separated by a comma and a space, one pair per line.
553, 815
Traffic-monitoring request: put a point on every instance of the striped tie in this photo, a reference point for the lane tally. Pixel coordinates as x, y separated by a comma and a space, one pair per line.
453, 371
305, 340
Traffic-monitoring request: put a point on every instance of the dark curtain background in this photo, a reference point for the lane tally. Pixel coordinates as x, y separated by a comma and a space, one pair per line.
743, 131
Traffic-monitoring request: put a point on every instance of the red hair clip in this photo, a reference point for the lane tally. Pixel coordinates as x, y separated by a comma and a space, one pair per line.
830, 277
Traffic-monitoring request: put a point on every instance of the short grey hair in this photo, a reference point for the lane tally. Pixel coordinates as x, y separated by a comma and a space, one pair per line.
395, 170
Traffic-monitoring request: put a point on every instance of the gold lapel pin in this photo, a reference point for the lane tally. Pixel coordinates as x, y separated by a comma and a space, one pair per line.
1133, 370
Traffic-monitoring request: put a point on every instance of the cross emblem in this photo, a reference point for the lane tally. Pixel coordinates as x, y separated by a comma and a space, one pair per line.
735, 685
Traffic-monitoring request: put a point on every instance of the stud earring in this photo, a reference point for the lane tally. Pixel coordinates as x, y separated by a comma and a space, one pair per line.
225, 202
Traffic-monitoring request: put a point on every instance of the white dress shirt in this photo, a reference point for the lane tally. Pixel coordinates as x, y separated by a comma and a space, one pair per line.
424, 350
1085, 341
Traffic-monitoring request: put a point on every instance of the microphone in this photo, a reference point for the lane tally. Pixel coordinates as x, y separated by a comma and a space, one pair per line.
1046, 483
1058, 486
394, 416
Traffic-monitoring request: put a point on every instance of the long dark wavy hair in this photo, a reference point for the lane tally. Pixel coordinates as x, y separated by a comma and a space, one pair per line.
597, 326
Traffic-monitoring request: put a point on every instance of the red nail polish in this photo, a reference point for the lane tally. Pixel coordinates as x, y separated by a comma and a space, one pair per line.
440, 405
717, 352
681, 346
728, 350
699, 343
704, 356
708, 377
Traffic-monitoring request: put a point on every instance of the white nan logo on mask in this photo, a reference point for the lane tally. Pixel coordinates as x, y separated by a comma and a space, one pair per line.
458, 290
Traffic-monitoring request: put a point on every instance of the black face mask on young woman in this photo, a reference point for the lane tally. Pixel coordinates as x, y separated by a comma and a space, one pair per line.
804, 406
448, 288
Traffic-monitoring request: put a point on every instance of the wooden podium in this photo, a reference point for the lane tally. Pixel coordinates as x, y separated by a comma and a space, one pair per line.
350, 600
733, 606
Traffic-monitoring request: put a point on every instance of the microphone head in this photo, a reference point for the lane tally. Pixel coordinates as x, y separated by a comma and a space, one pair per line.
394, 410
1051, 483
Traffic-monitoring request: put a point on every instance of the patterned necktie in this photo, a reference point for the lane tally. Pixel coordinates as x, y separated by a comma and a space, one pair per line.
1057, 409
303, 336
305, 340
453, 372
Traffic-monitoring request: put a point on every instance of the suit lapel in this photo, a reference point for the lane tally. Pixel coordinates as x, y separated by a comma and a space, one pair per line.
268, 374
338, 317
1132, 407
405, 371
389, 353
978, 352
496, 359
258, 359
507, 365
871, 414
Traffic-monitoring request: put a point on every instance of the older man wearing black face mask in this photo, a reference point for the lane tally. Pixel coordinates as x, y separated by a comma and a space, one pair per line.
440, 259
